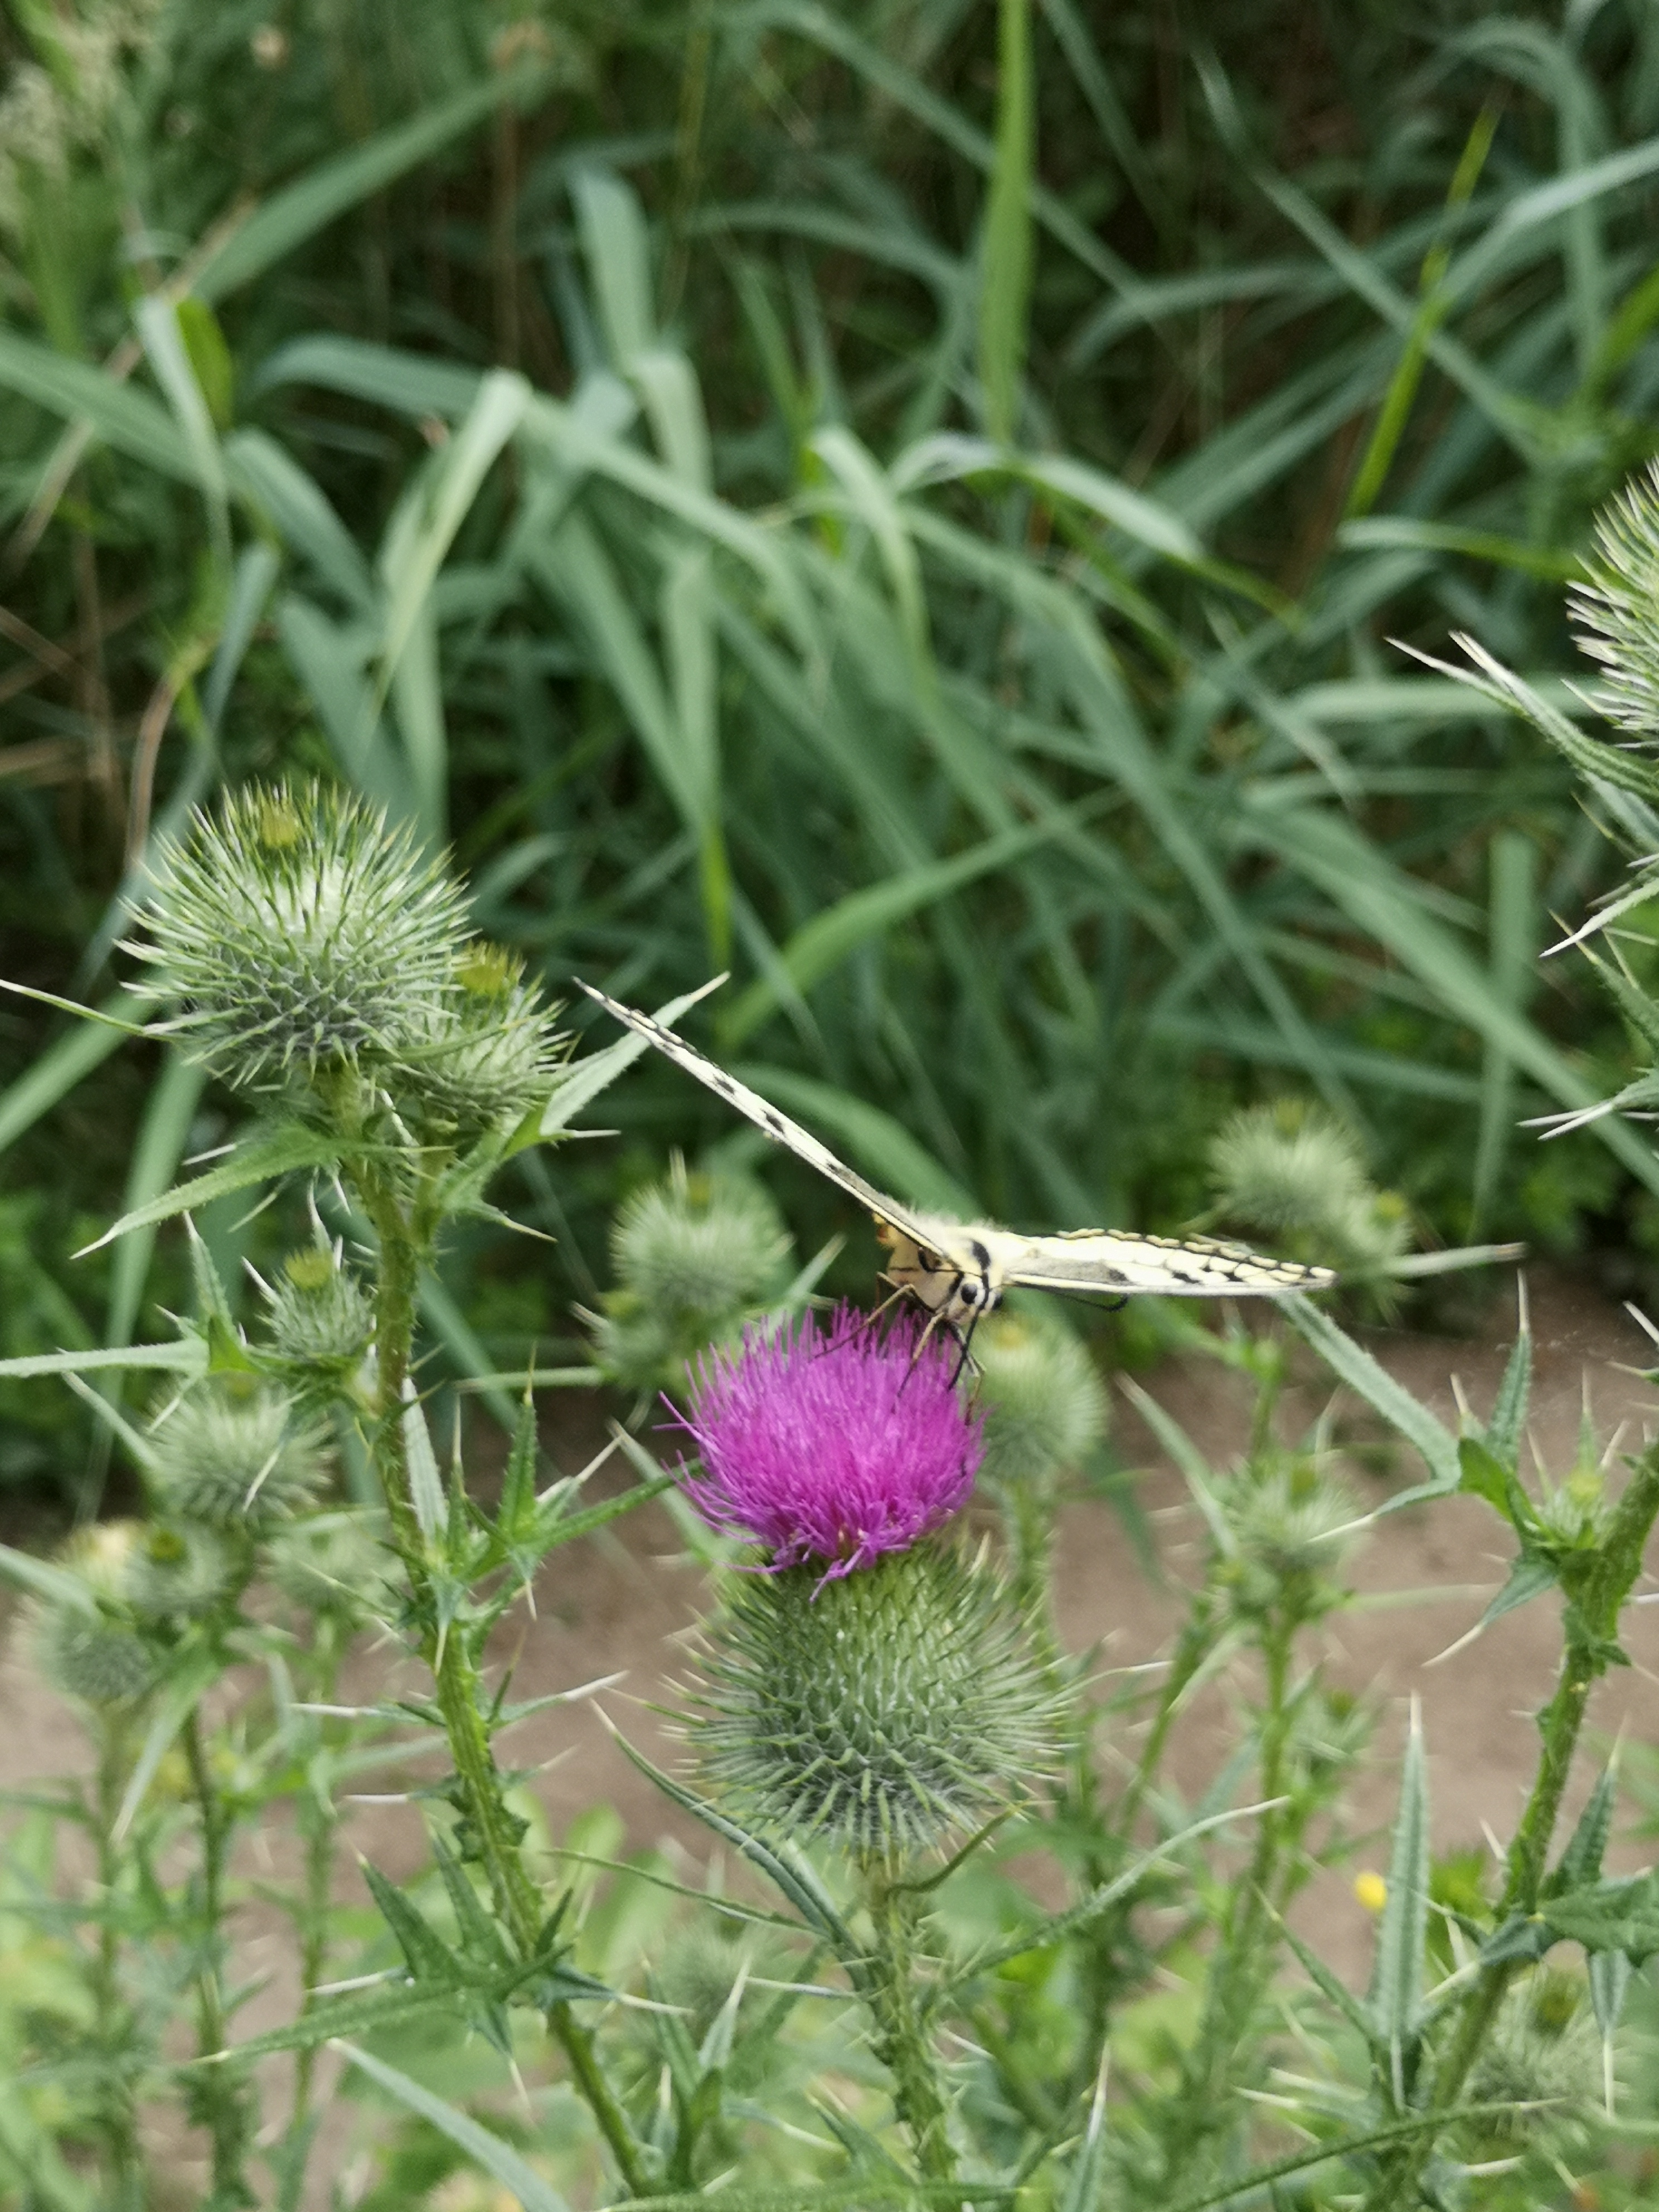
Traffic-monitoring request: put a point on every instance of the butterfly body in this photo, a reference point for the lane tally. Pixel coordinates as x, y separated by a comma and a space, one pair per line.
959, 1270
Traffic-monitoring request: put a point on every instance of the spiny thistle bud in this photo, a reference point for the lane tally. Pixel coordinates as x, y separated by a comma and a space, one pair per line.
1543, 2054
835, 1446
1616, 607
489, 1050
319, 1314
880, 1710
176, 1571
701, 1248
695, 1255
235, 1451
1292, 1172
1287, 1520
96, 1657
334, 1564
299, 933
1044, 1405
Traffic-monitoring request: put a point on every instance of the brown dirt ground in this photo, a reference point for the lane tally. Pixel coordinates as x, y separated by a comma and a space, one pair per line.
618, 1605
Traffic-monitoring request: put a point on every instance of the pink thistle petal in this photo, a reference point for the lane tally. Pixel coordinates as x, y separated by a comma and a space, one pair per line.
836, 1447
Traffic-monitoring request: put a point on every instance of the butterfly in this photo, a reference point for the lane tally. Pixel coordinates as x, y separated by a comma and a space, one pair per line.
958, 1271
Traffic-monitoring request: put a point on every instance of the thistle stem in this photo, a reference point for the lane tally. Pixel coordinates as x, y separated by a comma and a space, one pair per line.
492, 1827
1592, 1623
220, 2098
891, 1987
117, 2120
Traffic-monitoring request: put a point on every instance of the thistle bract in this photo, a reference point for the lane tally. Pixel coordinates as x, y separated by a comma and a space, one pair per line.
488, 1049
1044, 1406
881, 1711
234, 1452
298, 932
835, 1445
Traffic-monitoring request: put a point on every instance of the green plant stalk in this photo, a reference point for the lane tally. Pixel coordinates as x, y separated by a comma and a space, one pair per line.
118, 2122
1592, 1626
1244, 1953
403, 1240
890, 1986
318, 1825
222, 2100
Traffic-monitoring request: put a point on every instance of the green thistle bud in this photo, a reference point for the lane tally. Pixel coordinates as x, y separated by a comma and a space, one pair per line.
337, 1564
299, 933
176, 1571
699, 1248
1292, 1172
490, 1049
1044, 1406
97, 1658
880, 1710
234, 1452
1286, 1520
695, 1255
319, 1314
1543, 2051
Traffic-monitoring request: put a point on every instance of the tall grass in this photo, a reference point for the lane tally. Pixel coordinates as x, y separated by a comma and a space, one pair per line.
910, 504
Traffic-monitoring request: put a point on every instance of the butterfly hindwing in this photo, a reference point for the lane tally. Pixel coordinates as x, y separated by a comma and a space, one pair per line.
768, 1119
1108, 1260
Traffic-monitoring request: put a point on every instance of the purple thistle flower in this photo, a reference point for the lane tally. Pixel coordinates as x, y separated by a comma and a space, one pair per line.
835, 1447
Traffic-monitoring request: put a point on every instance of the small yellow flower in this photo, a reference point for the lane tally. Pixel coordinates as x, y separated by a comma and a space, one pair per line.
1371, 1890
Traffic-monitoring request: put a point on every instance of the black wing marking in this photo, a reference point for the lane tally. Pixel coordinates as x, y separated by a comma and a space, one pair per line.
767, 1118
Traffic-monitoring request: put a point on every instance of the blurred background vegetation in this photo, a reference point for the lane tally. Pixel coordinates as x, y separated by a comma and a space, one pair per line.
908, 500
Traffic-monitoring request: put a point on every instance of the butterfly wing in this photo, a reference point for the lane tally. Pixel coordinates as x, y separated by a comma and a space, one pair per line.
1110, 1261
769, 1119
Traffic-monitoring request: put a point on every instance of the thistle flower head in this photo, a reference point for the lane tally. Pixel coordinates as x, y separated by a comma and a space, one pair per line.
1289, 1521
97, 1657
299, 931
1543, 2054
833, 1445
880, 1711
236, 1452
1044, 1405
319, 1315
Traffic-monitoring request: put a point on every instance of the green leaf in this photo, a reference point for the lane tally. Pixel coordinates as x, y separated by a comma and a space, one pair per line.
1006, 253
1529, 1578
188, 1356
55, 1584
123, 417
1580, 1861
193, 1673
1083, 2183
792, 1876
1509, 1414
499, 2159
279, 1153
1612, 1916
300, 209
427, 1957
1394, 1999
65, 1062
426, 1489
1362, 1374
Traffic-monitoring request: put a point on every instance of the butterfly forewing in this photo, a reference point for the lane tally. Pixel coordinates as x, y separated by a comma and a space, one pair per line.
767, 1118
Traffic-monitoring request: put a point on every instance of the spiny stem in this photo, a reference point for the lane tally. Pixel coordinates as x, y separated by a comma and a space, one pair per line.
117, 2121
889, 1985
226, 2116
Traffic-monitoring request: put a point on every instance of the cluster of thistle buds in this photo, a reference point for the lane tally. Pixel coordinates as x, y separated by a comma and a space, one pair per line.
299, 945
